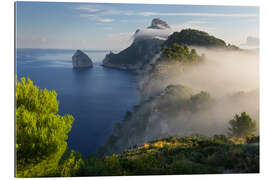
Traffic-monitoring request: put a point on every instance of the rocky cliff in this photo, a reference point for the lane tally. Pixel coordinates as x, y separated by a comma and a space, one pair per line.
81, 60
147, 43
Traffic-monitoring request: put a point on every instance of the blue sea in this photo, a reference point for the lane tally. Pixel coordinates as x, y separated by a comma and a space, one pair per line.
97, 98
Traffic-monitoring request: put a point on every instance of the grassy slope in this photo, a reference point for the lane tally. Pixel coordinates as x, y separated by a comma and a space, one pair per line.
188, 155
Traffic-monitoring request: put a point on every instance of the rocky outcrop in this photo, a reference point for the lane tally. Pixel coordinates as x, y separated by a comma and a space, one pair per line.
147, 43
81, 60
159, 24
135, 56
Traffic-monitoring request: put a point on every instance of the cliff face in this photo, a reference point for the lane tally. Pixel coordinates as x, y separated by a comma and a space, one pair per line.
135, 56
147, 43
81, 60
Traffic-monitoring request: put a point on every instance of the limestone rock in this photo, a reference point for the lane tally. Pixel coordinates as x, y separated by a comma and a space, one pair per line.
81, 60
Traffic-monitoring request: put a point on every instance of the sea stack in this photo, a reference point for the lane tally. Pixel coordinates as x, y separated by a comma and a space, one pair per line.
81, 60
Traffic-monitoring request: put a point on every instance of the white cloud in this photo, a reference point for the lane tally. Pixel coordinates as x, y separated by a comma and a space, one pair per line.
146, 33
97, 18
103, 10
99, 13
89, 8
196, 14
88, 15
105, 20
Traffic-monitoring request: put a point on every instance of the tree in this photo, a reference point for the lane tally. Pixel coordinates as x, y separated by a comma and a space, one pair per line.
242, 126
70, 164
41, 133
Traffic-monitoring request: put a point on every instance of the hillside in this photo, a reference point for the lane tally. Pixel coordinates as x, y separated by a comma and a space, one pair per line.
146, 44
177, 111
192, 37
135, 56
186, 155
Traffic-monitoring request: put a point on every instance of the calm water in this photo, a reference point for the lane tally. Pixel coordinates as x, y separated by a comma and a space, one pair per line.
97, 98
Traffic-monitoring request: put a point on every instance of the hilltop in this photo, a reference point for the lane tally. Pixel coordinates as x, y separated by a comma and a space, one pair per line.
193, 37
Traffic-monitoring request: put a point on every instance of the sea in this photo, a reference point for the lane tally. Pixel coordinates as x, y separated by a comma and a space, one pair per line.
98, 97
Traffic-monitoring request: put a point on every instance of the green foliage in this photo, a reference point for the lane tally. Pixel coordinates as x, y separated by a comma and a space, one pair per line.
41, 133
93, 166
180, 53
42, 149
192, 37
113, 165
186, 155
241, 125
70, 164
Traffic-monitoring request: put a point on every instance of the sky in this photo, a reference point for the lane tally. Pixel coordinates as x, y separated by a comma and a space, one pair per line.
97, 26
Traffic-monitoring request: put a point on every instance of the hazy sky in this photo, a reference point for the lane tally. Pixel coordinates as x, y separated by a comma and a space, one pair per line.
110, 26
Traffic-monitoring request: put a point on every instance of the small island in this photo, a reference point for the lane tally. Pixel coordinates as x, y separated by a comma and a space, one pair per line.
81, 60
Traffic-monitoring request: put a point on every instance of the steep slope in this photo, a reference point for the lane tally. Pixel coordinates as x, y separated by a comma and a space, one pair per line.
147, 42
178, 111
135, 56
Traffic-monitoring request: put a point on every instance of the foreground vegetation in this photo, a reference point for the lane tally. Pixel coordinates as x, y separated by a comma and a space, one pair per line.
41, 133
42, 148
187, 155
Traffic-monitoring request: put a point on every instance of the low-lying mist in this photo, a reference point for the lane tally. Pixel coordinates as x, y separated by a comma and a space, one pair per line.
231, 78
221, 73
173, 104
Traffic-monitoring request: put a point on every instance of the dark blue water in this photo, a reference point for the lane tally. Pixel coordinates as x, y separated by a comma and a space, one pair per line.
97, 98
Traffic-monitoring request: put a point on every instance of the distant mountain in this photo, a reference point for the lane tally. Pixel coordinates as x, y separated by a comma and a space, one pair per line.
150, 41
147, 42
